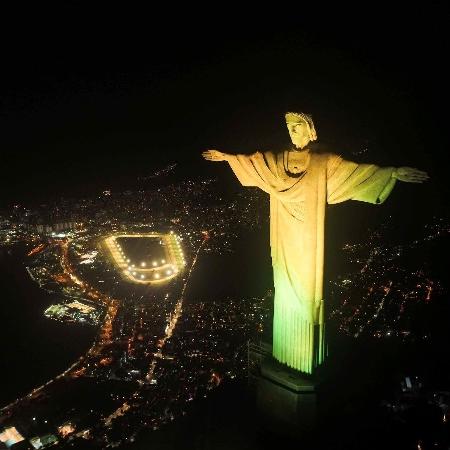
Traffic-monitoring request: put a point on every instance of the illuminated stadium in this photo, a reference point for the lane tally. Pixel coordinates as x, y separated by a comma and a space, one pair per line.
146, 258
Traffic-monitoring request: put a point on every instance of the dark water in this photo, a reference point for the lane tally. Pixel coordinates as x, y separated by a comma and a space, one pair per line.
33, 348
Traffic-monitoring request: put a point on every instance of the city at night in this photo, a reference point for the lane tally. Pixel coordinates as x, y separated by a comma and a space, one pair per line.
224, 236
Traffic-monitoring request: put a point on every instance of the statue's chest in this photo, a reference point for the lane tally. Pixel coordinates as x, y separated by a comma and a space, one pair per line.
295, 163
293, 169
299, 176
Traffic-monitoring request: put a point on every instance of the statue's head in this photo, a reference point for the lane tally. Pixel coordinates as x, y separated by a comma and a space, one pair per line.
301, 129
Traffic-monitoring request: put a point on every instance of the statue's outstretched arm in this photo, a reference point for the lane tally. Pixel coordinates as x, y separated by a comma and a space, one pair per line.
215, 155
369, 183
410, 175
243, 166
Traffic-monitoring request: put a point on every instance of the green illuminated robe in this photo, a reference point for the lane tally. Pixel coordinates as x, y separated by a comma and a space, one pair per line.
297, 217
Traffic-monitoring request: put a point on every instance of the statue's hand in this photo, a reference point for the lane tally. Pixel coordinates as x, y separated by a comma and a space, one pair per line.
410, 175
214, 155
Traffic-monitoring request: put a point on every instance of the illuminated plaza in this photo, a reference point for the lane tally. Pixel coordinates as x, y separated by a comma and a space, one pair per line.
147, 258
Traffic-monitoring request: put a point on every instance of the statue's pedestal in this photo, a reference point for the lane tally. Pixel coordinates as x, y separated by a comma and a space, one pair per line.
286, 400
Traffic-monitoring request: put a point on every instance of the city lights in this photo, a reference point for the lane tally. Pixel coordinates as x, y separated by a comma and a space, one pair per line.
162, 345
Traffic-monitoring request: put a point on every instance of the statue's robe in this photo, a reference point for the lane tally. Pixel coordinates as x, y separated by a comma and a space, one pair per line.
297, 216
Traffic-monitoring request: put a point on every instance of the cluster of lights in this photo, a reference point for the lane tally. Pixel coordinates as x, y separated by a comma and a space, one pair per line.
119, 254
179, 251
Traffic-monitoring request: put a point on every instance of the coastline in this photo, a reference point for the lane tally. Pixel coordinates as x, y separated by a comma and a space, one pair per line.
55, 345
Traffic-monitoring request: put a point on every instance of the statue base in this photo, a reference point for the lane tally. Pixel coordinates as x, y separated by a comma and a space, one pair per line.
286, 400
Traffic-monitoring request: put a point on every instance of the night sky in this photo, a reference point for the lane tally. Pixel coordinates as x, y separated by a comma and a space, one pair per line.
93, 99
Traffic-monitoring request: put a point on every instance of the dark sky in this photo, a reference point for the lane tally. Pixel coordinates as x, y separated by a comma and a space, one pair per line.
93, 98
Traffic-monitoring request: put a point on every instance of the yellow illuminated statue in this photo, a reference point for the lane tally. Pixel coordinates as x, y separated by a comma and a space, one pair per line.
300, 183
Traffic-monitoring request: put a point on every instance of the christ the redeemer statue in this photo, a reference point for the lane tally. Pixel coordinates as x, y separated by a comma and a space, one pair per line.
300, 183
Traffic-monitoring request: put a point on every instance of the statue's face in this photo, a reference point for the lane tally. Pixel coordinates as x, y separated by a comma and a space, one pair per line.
299, 133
